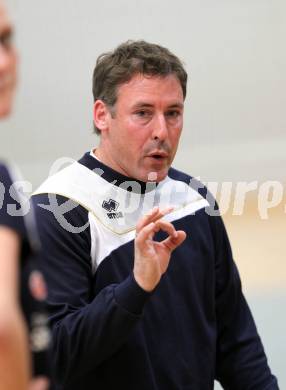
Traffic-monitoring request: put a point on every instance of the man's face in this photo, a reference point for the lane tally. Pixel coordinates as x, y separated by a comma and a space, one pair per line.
8, 62
142, 135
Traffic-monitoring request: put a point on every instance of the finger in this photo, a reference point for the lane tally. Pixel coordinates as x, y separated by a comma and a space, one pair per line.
167, 210
173, 242
39, 383
153, 216
166, 227
147, 218
146, 233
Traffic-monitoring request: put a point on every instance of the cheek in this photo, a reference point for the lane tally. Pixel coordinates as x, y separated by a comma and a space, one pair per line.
176, 134
13, 65
135, 136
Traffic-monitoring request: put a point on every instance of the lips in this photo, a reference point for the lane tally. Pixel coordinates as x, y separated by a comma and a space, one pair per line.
158, 155
6, 81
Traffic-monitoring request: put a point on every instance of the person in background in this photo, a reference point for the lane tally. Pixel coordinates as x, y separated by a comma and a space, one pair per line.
23, 317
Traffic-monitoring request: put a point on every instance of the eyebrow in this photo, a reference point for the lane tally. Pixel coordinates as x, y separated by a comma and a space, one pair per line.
149, 105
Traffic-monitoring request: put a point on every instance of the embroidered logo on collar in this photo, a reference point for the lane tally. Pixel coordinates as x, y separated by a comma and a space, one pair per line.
111, 207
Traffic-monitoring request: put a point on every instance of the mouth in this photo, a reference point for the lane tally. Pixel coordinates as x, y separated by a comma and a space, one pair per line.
157, 162
158, 155
6, 82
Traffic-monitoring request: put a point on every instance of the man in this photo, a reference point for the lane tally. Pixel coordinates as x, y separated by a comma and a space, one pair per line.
142, 299
15, 243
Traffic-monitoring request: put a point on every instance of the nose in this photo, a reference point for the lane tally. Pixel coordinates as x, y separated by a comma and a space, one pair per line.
160, 129
4, 58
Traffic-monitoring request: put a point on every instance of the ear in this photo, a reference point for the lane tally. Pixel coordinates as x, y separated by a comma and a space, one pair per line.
101, 115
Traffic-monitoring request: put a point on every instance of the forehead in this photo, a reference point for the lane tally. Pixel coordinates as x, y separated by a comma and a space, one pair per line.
5, 22
151, 89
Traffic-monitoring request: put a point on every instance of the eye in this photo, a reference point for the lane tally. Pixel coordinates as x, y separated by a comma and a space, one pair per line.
142, 113
6, 39
173, 114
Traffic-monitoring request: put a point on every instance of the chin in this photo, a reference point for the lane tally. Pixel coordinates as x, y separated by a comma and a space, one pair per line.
154, 176
4, 112
162, 177
5, 108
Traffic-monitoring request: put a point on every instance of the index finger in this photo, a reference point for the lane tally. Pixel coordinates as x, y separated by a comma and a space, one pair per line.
155, 214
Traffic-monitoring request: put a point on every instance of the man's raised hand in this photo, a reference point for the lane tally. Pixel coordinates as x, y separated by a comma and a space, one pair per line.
151, 257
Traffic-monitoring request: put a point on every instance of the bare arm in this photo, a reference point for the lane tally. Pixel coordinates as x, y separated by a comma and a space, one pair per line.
14, 358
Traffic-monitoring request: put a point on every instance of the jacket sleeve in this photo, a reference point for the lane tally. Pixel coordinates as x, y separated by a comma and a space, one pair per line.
86, 329
241, 360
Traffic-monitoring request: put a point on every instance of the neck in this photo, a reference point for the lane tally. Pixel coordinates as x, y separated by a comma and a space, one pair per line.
106, 159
